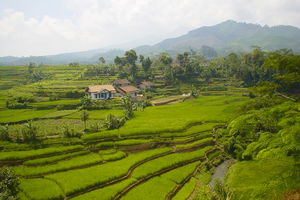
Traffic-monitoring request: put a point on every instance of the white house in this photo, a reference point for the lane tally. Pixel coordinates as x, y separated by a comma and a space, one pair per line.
101, 91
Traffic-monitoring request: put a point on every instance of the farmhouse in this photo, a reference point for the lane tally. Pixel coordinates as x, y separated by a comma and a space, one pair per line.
129, 91
101, 91
145, 85
121, 82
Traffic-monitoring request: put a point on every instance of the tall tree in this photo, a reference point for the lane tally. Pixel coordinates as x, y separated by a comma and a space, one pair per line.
31, 67
84, 117
185, 64
101, 60
142, 58
287, 64
146, 64
165, 59
128, 107
131, 58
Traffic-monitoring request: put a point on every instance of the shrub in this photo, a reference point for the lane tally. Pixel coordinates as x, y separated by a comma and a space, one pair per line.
219, 191
54, 97
68, 133
74, 94
21, 101
12, 104
128, 107
8, 184
24, 99
84, 117
113, 122
29, 132
95, 127
86, 102
66, 107
4, 135
260, 102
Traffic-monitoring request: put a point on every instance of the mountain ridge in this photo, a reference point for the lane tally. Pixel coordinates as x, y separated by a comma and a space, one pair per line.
224, 37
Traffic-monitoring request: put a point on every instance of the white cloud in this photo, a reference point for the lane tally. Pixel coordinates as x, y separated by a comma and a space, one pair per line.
100, 23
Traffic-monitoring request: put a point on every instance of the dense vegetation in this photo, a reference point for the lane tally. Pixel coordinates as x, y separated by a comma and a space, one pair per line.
57, 143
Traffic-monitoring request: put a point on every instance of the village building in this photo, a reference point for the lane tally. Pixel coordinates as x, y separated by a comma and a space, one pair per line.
101, 91
121, 82
145, 85
129, 91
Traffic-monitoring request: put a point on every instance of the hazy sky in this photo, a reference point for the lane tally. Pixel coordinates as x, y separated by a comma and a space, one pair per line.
42, 27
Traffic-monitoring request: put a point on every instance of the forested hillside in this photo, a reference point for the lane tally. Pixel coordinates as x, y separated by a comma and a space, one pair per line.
166, 142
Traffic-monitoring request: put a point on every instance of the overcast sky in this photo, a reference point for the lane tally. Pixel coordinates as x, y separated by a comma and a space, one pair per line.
43, 27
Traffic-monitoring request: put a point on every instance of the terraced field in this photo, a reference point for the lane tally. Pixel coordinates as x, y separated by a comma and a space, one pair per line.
85, 172
152, 157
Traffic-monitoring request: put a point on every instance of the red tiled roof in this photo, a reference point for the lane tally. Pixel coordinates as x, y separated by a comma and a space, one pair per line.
99, 88
129, 88
147, 83
121, 81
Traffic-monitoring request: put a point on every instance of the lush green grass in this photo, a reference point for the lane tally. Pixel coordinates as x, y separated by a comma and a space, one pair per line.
203, 192
15, 115
63, 165
193, 144
107, 151
76, 180
11, 76
186, 190
158, 187
163, 137
115, 156
43, 161
106, 193
12, 146
46, 104
59, 113
179, 139
188, 138
264, 179
167, 99
167, 161
123, 143
62, 141
97, 114
177, 116
192, 130
146, 169
36, 189
54, 126
16, 155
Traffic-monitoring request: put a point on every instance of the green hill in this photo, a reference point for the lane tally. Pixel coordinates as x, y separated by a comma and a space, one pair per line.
231, 36
225, 37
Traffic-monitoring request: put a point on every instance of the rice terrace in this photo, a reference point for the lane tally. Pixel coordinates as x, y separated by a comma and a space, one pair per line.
210, 115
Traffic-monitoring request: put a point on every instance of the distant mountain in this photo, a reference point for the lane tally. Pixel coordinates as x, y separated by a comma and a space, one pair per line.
231, 36
84, 57
225, 37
